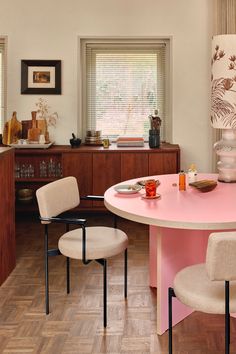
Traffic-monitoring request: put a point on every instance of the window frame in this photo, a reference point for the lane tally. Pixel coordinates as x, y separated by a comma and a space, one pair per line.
83, 41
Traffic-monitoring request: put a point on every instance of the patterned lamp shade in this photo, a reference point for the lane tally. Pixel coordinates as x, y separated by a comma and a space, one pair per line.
223, 96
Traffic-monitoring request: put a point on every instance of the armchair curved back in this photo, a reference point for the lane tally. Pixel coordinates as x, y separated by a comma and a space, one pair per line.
221, 256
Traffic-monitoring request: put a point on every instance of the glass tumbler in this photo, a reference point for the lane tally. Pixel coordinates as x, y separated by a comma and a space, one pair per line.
150, 188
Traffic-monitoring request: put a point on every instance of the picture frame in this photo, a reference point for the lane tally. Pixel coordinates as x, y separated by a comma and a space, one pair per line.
41, 77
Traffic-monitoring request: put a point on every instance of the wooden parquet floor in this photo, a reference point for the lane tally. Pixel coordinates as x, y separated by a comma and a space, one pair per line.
74, 324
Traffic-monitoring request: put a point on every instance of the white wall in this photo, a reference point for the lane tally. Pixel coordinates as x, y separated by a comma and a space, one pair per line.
49, 29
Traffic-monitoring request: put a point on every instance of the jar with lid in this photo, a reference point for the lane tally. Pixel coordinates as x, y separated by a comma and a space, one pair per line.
192, 173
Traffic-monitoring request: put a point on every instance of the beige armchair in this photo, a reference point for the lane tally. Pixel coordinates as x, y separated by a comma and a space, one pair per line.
209, 287
84, 243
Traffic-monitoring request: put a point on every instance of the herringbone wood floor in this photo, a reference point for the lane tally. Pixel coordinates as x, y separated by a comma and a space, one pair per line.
75, 322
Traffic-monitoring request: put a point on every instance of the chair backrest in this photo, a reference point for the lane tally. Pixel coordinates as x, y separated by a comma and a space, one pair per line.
221, 256
57, 197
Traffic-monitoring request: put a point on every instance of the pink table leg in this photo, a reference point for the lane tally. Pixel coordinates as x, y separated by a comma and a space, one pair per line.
170, 251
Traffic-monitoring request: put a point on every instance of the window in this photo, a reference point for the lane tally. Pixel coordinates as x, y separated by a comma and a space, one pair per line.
2, 81
123, 82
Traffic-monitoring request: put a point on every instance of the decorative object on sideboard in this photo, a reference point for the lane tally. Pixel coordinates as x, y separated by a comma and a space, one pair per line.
41, 77
25, 195
26, 125
31, 132
75, 142
130, 141
106, 142
154, 132
34, 132
25, 144
223, 107
46, 119
12, 130
93, 137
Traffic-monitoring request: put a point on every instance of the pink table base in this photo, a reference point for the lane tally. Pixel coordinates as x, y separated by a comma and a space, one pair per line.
166, 259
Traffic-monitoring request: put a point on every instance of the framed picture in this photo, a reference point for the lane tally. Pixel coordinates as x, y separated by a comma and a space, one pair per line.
41, 77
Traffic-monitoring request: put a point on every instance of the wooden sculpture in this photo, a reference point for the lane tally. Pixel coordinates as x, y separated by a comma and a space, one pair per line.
34, 132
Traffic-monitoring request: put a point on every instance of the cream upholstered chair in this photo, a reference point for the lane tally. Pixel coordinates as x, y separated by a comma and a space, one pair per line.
85, 243
209, 287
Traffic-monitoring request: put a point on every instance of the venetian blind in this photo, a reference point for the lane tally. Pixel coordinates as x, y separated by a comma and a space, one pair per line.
125, 84
2, 83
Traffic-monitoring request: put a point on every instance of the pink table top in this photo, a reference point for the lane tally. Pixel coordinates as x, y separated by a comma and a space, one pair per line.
190, 209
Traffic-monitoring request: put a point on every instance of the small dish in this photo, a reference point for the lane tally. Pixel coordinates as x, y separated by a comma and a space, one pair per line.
205, 185
142, 182
127, 188
154, 197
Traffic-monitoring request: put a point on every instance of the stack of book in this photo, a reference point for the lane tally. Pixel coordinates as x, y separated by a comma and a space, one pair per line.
130, 141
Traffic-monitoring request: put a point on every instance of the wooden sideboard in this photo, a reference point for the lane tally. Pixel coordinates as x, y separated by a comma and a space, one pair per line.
7, 213
95, 168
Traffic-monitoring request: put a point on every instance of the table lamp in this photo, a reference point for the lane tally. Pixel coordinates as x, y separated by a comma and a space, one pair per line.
223, 103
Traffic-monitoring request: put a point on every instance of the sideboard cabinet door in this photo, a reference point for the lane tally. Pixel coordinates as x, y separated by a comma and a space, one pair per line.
79, 165
133, 165
7, 214
163, 163
106, 172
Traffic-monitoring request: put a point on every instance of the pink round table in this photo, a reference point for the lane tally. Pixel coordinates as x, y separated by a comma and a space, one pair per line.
180, 223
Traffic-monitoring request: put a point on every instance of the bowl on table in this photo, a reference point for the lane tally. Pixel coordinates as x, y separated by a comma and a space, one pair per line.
205, 185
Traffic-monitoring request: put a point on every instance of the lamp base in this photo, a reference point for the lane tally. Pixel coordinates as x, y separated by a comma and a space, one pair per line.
226, 151
226, 179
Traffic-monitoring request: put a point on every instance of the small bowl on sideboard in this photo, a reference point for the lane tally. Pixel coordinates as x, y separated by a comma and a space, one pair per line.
25, 195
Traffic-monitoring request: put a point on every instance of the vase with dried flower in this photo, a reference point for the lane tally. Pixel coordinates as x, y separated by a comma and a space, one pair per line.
154, 132
45, 118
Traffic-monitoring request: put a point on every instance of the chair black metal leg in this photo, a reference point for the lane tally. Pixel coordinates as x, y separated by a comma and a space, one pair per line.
104, 292
68, 275
171, 294
67, 267
46, 270
126, 272
227, 318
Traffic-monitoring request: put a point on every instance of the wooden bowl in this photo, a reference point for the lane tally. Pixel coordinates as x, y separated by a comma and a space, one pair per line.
205, 185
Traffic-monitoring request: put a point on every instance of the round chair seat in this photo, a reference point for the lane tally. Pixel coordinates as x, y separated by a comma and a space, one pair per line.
101, 242
193, 288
